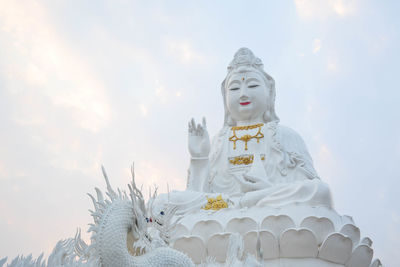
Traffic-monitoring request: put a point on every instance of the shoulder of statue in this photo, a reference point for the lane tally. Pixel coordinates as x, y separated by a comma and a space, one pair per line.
280, 131
284, 132
290, 140
293, 144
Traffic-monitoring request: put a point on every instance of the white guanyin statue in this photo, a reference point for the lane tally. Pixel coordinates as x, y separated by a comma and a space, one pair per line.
253, 198
253, 156
253, 160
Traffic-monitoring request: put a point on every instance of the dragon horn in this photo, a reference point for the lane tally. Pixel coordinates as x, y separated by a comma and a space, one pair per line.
135, 192
96, 207
100, 197
111, 192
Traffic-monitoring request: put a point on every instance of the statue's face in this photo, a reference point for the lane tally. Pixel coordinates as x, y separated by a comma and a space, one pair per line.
246, 96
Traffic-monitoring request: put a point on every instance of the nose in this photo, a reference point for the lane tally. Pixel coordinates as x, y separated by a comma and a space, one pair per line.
243, 91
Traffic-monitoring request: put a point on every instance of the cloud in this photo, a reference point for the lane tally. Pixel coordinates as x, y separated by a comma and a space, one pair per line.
46, 66
161, 93
316, 45
157, 173
320, 10
143, 110
325, 163
3, 172
377, 44
184, 51
57, 103
332, 65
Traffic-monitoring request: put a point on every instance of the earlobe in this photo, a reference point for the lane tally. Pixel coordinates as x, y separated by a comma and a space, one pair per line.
267, 116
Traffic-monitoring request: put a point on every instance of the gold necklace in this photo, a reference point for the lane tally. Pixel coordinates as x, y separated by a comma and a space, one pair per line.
247, 137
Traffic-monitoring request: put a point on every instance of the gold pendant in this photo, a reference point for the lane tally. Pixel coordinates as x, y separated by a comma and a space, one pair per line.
247, 137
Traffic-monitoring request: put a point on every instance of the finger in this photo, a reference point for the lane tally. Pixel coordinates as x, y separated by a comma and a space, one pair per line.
190, 127
193, 124
199, 129
256, 183
239, 179
246, 186
250, 178
204, 123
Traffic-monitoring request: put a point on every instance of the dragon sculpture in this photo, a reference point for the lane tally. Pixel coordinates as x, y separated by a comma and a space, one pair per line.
124, 233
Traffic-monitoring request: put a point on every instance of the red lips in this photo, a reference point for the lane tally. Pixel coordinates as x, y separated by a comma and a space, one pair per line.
244, 103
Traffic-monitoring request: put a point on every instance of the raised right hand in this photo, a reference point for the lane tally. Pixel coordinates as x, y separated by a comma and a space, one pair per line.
199, 141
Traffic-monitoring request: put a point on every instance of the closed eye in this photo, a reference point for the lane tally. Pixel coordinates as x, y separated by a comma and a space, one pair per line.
253, 85
234, 88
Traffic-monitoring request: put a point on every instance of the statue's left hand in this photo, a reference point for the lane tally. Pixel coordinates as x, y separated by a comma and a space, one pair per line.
199, 141
251, 183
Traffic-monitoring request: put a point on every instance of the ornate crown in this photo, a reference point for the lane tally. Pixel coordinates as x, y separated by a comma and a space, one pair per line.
245, 57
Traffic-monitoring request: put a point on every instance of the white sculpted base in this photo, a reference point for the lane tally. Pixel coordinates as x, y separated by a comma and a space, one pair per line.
290, 232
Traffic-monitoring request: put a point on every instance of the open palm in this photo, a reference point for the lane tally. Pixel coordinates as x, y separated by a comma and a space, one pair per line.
199, 141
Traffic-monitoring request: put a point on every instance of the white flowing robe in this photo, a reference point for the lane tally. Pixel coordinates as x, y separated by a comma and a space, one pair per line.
288, 168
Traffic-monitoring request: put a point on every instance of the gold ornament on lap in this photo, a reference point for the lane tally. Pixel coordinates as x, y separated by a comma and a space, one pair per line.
247, 137
215, 203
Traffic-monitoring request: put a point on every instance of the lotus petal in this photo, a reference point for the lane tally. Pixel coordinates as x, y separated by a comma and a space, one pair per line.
205, 229
217, 246
269, 245
376, 263
250, 242
241, 225
193, 246
180, 230
346, 219
336, 248
277, 224
353, 232
321, 227
366, 241
361, 257
298, 243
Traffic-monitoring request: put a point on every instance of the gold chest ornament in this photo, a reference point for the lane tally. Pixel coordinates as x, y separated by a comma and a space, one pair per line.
247, 137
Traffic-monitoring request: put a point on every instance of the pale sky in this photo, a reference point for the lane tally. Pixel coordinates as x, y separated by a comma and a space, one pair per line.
85, 83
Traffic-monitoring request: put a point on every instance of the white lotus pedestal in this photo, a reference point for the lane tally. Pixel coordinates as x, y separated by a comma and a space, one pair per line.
295, 235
